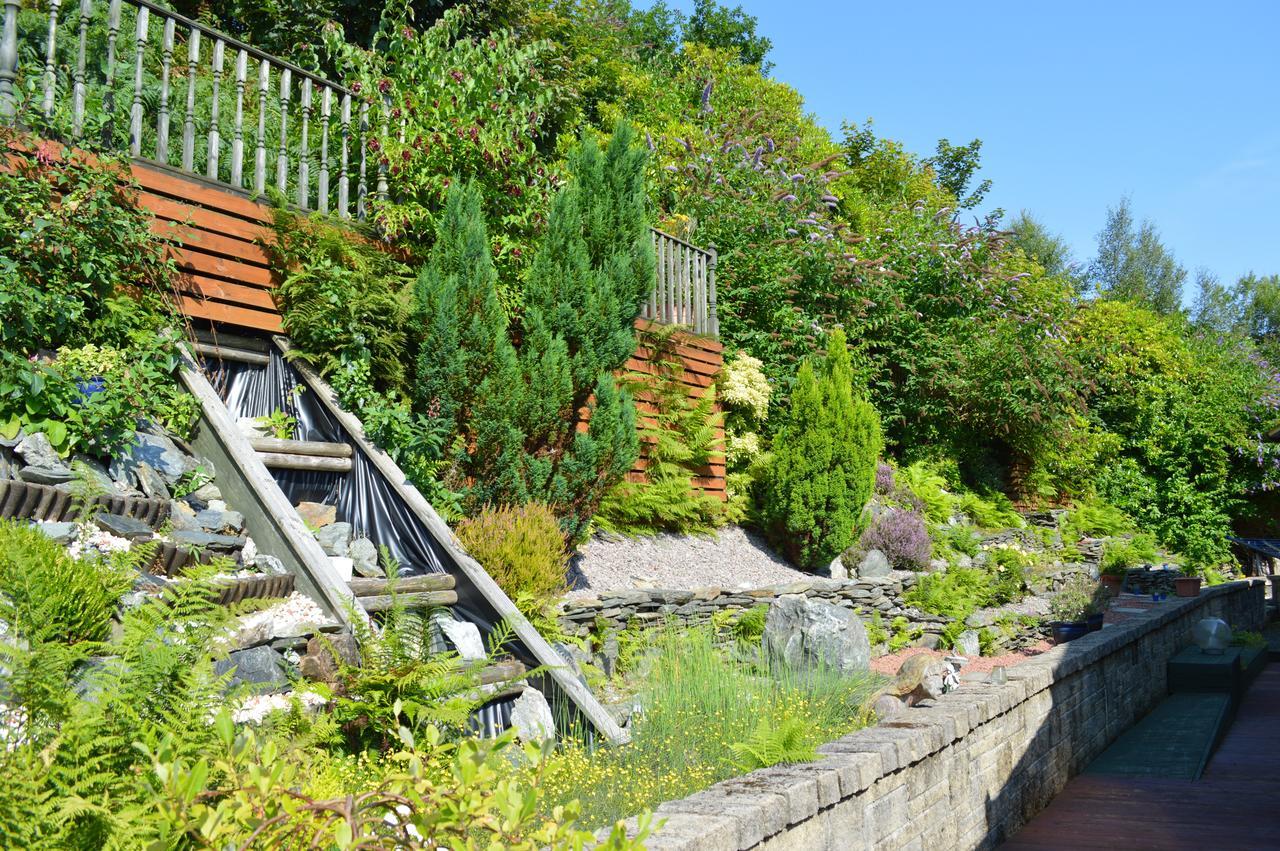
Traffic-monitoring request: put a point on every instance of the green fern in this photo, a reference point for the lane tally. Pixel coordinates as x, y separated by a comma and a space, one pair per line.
772, 744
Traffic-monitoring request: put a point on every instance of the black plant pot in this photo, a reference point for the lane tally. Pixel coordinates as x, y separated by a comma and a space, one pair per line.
1094, 622
1064, 632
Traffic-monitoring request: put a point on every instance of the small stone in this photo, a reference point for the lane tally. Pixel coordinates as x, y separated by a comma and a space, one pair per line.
335, 539
90, 471
531, 716
610, 650
124, 527
874, 564
320, 664
317, 515
260, 668
937, 565
465, 637
151, 482
37, 451
42, 475
978, 620
887, 706
63, 533
364, 559
837, 570
207, 493
181, 516
269, 564
249, 552
929, 641
967, 643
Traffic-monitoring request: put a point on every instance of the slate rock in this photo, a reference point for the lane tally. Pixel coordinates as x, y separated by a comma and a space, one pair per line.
63, 533
874, 565
967, 643
321, 664
260, 668
610, 650
811, 634
335, 539
207, 492
90, 471
150, 481
36, 450
532, 718
226, 522
364, 559
182, 516
317, 515
269, 564
228, 544
124, 527
161, 453
929, 641
837, 570
886, 707
42, 475
465, 638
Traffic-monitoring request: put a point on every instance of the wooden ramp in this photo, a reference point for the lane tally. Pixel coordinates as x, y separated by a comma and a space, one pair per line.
1232, 807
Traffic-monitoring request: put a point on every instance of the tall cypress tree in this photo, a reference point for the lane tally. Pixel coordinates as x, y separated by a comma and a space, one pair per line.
585, 287
457, 318
824, 462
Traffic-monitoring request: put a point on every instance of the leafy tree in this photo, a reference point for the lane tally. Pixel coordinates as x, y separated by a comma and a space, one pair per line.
1134, 265
733, 29
955, 167
825, 462
1048, 249
457, 317
585, 286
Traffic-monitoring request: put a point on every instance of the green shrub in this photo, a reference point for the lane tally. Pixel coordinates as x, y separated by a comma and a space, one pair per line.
1120, 554
923, 481
1094, 519
991, 511
47, 595
824, 464
521, 547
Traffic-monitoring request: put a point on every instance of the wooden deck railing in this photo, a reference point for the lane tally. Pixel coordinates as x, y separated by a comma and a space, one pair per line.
138, 78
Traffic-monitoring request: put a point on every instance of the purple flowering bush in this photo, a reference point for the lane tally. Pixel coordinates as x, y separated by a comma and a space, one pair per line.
901, 535
884, 479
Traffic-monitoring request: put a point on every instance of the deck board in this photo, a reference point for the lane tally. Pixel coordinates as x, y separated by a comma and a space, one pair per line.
1232, 807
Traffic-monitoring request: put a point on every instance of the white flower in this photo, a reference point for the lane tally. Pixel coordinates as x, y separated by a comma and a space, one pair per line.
743, 385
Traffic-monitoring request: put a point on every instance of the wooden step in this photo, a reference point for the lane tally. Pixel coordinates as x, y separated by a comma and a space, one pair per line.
418, 600
318, 448
501, 672
406, 585
232, 354
315, 463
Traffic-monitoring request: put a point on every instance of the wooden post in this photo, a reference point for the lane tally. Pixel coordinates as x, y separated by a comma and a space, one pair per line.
282, 154
50, 55
189, 119
260, 156
344, 180
304, 152
322, 180
77, 102
237, 129
9, 58
713, 325
162, 117
135, 116
215, 108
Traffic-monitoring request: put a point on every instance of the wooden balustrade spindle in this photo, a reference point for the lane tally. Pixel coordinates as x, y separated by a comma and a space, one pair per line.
260, 154
162, 117
304, 152
713, 326
109, 99
50, 55
215, 109
344, 182
189, 119
237, 129
382, 154
77, 101
362, 188
282, 153
9, 58
135, 116
322, 180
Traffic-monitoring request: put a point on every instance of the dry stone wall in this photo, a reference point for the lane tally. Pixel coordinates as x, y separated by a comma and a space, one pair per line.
973, 767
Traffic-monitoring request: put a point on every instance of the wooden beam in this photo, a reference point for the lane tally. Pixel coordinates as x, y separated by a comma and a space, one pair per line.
281, 461
227, 353
301, 447
418, 600
407, 585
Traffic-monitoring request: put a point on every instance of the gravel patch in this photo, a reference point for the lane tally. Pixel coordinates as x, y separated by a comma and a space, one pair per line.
891, 662
731, 558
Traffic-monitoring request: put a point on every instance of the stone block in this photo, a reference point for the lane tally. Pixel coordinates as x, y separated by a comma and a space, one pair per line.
795, 783
755, 814
686, 832
857, 770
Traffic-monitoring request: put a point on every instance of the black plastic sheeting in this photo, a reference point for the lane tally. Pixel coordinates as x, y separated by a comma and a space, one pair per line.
362, 497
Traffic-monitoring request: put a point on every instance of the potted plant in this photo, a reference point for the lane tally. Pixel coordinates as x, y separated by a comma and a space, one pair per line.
1070, 610
1112, 578
1187, 585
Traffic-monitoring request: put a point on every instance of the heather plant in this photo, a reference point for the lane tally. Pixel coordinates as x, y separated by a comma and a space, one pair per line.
884, 479
824, 466
901, 535
521, 547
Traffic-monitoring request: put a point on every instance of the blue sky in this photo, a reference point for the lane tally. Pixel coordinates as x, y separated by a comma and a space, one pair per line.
1174, 104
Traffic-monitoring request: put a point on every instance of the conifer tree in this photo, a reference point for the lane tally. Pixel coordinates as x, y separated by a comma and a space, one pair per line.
825, 460
458, 320
585, 286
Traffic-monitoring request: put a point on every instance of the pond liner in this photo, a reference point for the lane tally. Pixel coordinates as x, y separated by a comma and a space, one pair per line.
379, 503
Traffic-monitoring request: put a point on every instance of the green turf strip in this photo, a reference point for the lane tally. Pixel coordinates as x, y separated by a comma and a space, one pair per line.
1174, 741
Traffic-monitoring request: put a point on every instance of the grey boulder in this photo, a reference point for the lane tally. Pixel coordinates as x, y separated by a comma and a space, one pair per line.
967, 643
532, 718
364, 558
335, 539
124, 527
37, 451
260, 668
160, 453
874, 565
809, 634
46, 475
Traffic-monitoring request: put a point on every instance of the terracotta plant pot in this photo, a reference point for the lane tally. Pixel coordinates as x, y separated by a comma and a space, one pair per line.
1187, 586
1113, 584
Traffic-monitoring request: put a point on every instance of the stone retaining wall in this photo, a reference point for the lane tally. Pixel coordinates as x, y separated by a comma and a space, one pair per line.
975, 766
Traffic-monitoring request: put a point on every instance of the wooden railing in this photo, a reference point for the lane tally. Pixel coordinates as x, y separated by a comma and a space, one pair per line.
685, 291
133, 76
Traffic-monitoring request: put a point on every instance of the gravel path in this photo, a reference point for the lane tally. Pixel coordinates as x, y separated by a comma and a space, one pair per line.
732, 558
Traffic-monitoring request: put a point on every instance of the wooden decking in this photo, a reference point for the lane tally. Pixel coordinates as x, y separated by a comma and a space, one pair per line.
1234, 806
